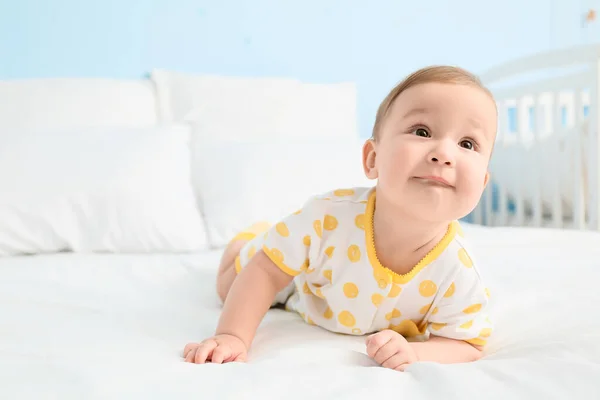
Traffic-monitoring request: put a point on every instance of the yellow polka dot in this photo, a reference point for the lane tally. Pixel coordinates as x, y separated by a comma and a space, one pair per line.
343, 192
298, 212
306, 289
356, 331
318, 228
435, 311
251, 251
485, 332
477, 342
329, 251
302, 315
427, 288
466, 325
395, 291
472, 309
328, 314
327, 274
310, 321
459, 230
347, 319
305, 264
436, 327
319, 293
359, 221
487, 292
238, 264
377, 299
306, 240
407, 328
425, 308
382, 277
310, 270
464, 258
350, 290
395, 313
450, 290
277, 255
282, 229
330, 223
354, 253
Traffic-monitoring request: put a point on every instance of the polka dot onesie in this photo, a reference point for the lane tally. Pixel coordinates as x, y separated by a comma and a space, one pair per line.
340, 285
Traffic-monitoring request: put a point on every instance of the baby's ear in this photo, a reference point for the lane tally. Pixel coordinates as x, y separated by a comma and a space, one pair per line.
486, 179
369, 155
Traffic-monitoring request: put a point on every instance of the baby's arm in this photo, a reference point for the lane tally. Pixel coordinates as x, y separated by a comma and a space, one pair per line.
392, 350
249, 298
446, 351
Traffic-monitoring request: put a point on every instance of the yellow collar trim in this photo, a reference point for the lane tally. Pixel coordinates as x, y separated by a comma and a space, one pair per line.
429, 257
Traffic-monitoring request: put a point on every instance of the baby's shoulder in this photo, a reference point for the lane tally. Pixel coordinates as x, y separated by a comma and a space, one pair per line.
345, 195
461, 254
339, 201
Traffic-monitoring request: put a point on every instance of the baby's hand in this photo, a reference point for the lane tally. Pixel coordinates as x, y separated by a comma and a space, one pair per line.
218, 349
391, 350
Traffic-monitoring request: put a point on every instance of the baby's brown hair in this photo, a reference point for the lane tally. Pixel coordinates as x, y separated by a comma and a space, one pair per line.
431, 74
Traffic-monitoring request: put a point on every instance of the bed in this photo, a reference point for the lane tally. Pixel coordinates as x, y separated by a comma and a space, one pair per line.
104, 280
545, 165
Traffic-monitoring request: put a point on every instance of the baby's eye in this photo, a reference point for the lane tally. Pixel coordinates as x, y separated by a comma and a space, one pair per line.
421, 132
467, 144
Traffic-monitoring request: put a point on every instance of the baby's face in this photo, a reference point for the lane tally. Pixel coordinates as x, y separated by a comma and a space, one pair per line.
433, 150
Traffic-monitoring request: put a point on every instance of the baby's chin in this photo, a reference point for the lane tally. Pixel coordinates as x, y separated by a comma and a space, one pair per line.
435, 213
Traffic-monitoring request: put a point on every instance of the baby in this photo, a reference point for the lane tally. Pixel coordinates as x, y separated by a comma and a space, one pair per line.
389, 261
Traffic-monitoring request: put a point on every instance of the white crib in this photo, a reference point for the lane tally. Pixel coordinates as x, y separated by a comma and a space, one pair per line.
544, 169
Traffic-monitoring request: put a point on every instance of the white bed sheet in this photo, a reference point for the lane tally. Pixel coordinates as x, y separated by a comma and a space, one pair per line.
113, 327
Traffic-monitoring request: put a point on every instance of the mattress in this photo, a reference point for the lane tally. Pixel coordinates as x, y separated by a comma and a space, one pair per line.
105, 326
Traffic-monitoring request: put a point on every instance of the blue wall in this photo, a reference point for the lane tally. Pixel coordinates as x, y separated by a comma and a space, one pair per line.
373, 43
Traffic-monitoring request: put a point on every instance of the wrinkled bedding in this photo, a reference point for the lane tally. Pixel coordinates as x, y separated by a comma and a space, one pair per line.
106, 326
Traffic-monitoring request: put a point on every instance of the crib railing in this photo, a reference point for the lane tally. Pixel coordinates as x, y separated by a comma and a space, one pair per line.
545, 166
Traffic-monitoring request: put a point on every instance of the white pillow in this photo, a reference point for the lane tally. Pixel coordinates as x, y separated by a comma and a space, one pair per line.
98, 190
258, 107
239, 183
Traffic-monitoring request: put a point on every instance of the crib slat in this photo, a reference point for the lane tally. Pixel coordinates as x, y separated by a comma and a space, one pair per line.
577, 154
501, 218
557, 212
593, 135
521, 166
536, 201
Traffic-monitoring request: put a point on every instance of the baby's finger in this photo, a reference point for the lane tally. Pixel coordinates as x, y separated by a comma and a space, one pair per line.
204, 351
189, 347
376, 342
385, 352
220, 354
189, 357
240, 358
394, 361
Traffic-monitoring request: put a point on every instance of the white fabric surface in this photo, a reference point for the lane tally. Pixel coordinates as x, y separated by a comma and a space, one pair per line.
113, 326
241, 182
69, 103
114, 189
236, 107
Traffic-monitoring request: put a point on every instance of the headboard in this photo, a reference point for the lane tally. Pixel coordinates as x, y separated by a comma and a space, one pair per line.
61, 103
